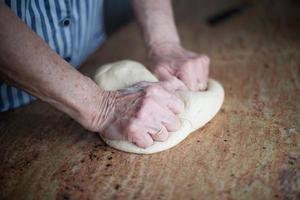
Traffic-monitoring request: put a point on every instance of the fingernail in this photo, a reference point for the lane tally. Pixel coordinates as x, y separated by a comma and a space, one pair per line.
202, 86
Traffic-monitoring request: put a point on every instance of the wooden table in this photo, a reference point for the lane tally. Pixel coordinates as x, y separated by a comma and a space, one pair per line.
250, 150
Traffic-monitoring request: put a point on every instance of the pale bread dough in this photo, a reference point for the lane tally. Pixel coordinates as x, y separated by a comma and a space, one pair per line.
200, 107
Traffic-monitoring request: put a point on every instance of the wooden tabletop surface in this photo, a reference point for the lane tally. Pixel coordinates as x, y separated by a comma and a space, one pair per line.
250, 150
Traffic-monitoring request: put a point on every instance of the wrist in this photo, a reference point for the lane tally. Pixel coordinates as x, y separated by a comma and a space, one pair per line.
163, 49
99, 111
152, 42
105, 114
88, 104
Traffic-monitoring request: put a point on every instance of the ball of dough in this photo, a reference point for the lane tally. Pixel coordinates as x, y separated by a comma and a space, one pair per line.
200, 107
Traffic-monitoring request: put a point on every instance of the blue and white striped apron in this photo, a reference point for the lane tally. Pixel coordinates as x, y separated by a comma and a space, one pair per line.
72, 28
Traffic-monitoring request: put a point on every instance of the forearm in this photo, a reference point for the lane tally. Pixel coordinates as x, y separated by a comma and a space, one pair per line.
27, 62
155, 17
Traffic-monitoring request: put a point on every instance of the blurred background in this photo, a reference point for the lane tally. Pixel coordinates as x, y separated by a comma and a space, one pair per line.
250, 150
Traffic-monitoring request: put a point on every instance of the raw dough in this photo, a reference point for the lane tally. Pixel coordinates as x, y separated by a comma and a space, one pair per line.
200, 107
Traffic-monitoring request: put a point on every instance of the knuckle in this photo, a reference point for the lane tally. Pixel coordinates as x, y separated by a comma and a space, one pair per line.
205, 58
153, 89
131, 129
159, 68
132, 136
146, 106
141, 141
147, 101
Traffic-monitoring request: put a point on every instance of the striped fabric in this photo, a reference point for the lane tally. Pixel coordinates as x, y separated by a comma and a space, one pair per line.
72, 28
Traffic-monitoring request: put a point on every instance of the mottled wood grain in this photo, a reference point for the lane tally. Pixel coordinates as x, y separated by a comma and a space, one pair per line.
250, 150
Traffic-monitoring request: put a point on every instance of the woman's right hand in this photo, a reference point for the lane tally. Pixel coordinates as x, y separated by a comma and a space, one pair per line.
143, 113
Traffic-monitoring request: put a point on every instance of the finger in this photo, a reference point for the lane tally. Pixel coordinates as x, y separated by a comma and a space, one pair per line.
170, 120
202, 86
156, 114
144, 140
162, 73
203, 71
173, 84
161, 135
166, 98
188, 76
139, 136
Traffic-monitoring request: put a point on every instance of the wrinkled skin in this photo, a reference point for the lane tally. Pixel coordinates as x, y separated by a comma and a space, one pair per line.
172, 62
144, 113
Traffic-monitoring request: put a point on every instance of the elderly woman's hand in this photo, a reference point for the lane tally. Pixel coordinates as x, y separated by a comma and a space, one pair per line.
140, 114
170, 61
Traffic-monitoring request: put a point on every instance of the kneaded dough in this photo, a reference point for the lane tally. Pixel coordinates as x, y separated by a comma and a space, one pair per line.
200, 107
